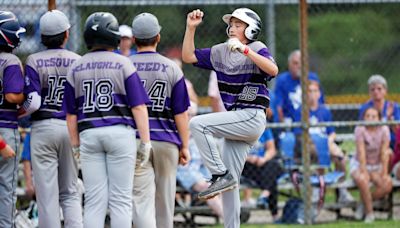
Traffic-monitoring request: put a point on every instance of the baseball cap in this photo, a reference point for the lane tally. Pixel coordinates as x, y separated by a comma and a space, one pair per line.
125, 31
53, 22
145, 26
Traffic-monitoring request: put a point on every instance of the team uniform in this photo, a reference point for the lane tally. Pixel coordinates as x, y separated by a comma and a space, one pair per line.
287, 93
243, 89
11, 81
321, 114
165, 85
101, 89
54, 167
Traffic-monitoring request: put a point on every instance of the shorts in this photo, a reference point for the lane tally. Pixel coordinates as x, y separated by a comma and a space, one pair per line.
188, 178
354, 165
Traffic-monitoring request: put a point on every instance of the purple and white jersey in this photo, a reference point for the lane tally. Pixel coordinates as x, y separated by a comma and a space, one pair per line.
241, 83
46, 73
101, 89
165, 85
11, 81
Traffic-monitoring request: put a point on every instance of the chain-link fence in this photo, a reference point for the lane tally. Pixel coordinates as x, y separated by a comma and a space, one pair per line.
349, 40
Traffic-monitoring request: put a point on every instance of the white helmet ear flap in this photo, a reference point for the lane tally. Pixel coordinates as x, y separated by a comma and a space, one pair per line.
227, 30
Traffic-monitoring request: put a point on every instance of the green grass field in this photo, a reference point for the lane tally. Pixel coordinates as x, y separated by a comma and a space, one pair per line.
340, 224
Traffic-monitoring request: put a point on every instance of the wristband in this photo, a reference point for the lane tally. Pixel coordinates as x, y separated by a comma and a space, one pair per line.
3, 144
246, 50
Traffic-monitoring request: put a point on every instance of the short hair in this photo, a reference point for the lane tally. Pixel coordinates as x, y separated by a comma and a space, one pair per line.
54, 41
4, 48
295, 52
146, 42
377, 79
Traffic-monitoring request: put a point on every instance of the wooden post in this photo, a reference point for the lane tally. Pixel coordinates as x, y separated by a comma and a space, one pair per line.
51, 5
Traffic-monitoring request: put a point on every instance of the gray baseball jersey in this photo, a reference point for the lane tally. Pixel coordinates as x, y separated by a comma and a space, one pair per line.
165, 85
101, 89
11, 81
54, 168
243, 89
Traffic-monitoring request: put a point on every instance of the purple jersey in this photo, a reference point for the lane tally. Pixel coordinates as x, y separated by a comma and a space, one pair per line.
11, 81
165, 85
46, 73
241, 83
101, 89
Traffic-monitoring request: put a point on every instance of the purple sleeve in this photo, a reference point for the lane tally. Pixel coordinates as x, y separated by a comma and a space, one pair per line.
13, 81
135, 92
203, 58
179, 98
32, 81
265, 52
69, 101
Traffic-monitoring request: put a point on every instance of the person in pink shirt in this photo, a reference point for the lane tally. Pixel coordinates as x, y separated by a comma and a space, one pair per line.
370, 164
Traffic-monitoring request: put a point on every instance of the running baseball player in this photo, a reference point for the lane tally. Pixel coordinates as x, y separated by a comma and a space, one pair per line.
243, 66
104, 98
155, 180
11, 94
54, 167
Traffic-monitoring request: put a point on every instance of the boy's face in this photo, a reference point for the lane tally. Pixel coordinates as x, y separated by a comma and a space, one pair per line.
313, 93
236, 29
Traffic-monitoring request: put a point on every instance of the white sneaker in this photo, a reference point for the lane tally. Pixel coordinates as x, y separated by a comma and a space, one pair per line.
345, 196
369, 218
359, 212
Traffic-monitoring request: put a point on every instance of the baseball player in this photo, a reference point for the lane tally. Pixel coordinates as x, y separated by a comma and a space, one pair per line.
11, 94
155, 181
103, 99
54, 167
243, 66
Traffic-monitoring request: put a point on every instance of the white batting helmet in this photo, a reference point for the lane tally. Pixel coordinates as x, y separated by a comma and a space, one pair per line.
249, 17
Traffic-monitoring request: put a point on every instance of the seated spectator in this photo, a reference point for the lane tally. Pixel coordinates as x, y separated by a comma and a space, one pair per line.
288, 89
377, 88
262, 168
371, 163
320, 113
192, 178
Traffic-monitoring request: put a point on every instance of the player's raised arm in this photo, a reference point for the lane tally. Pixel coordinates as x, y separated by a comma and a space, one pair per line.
193, 19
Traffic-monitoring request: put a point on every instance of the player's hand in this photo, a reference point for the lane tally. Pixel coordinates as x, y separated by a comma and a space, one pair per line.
184, 156
194, 18
143, 153
30, 190
235, 45
7, 152
76, 152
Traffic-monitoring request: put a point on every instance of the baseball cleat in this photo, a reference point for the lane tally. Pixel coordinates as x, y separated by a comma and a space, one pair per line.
219, 184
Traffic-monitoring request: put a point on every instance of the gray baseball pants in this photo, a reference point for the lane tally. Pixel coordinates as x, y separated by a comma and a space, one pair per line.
55, 174
108, 164
155, 187
241, 129
8, 178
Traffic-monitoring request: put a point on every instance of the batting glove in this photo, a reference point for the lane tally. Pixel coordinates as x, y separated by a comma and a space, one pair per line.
76, 152
235, 45
143, 153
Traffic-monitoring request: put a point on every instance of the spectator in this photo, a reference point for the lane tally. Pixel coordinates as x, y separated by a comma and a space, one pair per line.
262, 168
288, 90
125, 45
320, 113
377, 88
371, 163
